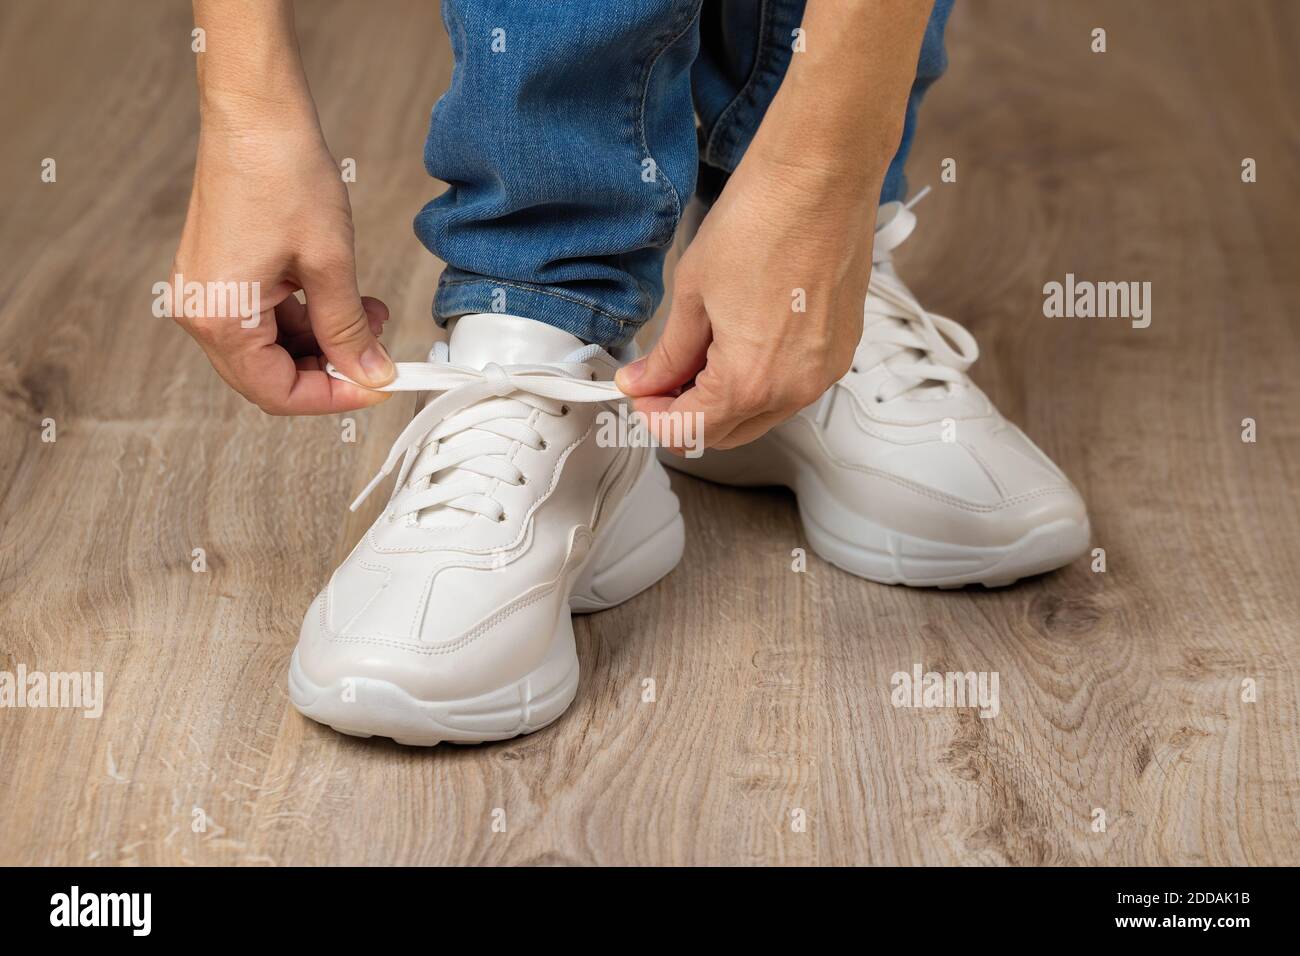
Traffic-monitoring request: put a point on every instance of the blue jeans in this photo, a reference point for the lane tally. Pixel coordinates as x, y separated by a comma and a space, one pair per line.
568, 140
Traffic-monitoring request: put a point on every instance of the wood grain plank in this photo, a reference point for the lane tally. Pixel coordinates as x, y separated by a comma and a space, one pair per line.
1120, 691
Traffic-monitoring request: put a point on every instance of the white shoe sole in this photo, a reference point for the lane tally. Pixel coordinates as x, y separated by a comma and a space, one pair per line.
643, 543
879, 553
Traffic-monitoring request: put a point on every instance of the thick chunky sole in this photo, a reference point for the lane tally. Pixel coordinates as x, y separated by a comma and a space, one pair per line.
642, 543
875, 551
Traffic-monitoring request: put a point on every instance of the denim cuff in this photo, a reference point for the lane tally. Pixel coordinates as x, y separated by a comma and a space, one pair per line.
463, 294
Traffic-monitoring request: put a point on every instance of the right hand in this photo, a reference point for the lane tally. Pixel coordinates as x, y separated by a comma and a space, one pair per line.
269, 206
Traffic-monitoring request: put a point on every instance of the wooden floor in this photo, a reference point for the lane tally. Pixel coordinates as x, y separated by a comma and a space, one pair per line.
1121, 692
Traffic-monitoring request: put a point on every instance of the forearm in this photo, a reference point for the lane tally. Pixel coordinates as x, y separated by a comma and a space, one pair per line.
251, 71
840, 108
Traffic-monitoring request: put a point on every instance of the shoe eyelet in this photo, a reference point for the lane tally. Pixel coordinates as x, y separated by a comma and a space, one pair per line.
854, 370
543, 446
501, 520
564, 409
523, 480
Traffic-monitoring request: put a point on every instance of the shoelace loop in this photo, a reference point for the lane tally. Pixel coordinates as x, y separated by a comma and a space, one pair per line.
896, 321
540, 386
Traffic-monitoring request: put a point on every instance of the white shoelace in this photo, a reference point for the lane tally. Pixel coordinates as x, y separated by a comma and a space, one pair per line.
488, 401
495, 404
896, 324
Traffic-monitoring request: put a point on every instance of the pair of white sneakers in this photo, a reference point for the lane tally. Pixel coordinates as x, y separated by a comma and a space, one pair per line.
451, 619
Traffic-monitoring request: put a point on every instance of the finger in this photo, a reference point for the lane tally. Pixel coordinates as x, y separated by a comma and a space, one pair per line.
706, 413
746, 432
295, 331
342, 326
293, 328
377, 313
677, 356
319, 393
654, 411
272, 379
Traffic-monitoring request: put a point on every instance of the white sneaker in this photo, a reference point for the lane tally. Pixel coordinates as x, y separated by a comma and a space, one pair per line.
904, 471
450, 620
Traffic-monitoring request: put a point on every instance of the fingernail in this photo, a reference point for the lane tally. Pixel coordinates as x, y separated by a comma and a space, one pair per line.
377, 365
629, 373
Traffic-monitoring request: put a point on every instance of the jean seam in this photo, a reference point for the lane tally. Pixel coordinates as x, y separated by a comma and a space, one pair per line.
646, 75
711, 147
540, 290
456, 40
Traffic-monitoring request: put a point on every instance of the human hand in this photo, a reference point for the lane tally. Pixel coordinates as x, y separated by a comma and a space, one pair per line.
767, 303
269, 208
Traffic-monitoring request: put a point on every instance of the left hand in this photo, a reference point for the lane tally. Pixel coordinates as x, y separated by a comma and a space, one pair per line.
780, 238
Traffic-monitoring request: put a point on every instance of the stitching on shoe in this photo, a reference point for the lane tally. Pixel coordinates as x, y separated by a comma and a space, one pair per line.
866, 422
930, 492
488, 623
442, 534
988, 471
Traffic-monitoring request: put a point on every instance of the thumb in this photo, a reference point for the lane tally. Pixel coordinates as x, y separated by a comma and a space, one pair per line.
343, 328
676, 357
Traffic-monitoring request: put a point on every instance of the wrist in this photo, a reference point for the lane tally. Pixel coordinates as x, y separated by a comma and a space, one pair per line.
827, 148
836, 111
250, 75
229, 99
226, 114
826, 173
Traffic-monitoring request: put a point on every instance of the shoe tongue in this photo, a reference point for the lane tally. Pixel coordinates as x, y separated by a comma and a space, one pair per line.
475, 341
487, 337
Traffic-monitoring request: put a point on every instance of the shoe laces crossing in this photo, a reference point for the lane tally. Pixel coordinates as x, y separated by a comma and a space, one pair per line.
899, 331
462, 443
